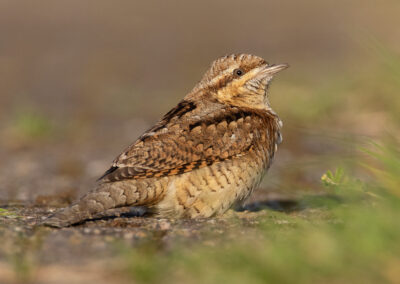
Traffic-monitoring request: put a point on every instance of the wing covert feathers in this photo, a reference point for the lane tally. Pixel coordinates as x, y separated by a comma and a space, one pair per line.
193, 136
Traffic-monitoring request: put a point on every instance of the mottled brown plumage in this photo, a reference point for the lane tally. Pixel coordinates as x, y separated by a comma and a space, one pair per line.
204, 156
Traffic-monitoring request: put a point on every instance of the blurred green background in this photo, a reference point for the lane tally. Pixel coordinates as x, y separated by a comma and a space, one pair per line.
80, 80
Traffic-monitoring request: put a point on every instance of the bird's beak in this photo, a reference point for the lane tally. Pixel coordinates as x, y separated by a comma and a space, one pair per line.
274, 68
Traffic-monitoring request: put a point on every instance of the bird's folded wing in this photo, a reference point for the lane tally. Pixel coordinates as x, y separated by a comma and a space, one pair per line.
176, 145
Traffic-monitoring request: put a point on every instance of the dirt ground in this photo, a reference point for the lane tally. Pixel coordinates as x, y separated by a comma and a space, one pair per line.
91, 252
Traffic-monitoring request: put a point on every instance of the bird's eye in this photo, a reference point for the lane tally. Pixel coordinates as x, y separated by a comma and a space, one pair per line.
238, 72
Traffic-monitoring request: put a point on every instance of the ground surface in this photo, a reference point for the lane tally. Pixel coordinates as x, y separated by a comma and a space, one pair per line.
91, 252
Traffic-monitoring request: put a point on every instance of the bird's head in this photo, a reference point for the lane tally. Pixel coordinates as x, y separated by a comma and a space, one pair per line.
240, 80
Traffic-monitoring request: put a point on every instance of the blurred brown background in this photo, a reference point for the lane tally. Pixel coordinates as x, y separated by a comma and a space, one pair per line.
80, 80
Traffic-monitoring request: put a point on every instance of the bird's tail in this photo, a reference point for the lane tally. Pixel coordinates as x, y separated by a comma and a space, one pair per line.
105, 196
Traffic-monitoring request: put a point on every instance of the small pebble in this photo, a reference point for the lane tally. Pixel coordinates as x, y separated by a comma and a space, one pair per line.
128, 236
282, 222
164, 225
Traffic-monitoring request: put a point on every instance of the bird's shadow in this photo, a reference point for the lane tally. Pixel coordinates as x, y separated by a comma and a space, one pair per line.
293, 205
282, 205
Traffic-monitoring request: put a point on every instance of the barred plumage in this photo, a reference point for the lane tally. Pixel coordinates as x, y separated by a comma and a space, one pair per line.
204, 156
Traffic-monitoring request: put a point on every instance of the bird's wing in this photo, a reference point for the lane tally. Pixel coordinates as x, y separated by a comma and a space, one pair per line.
183, 141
